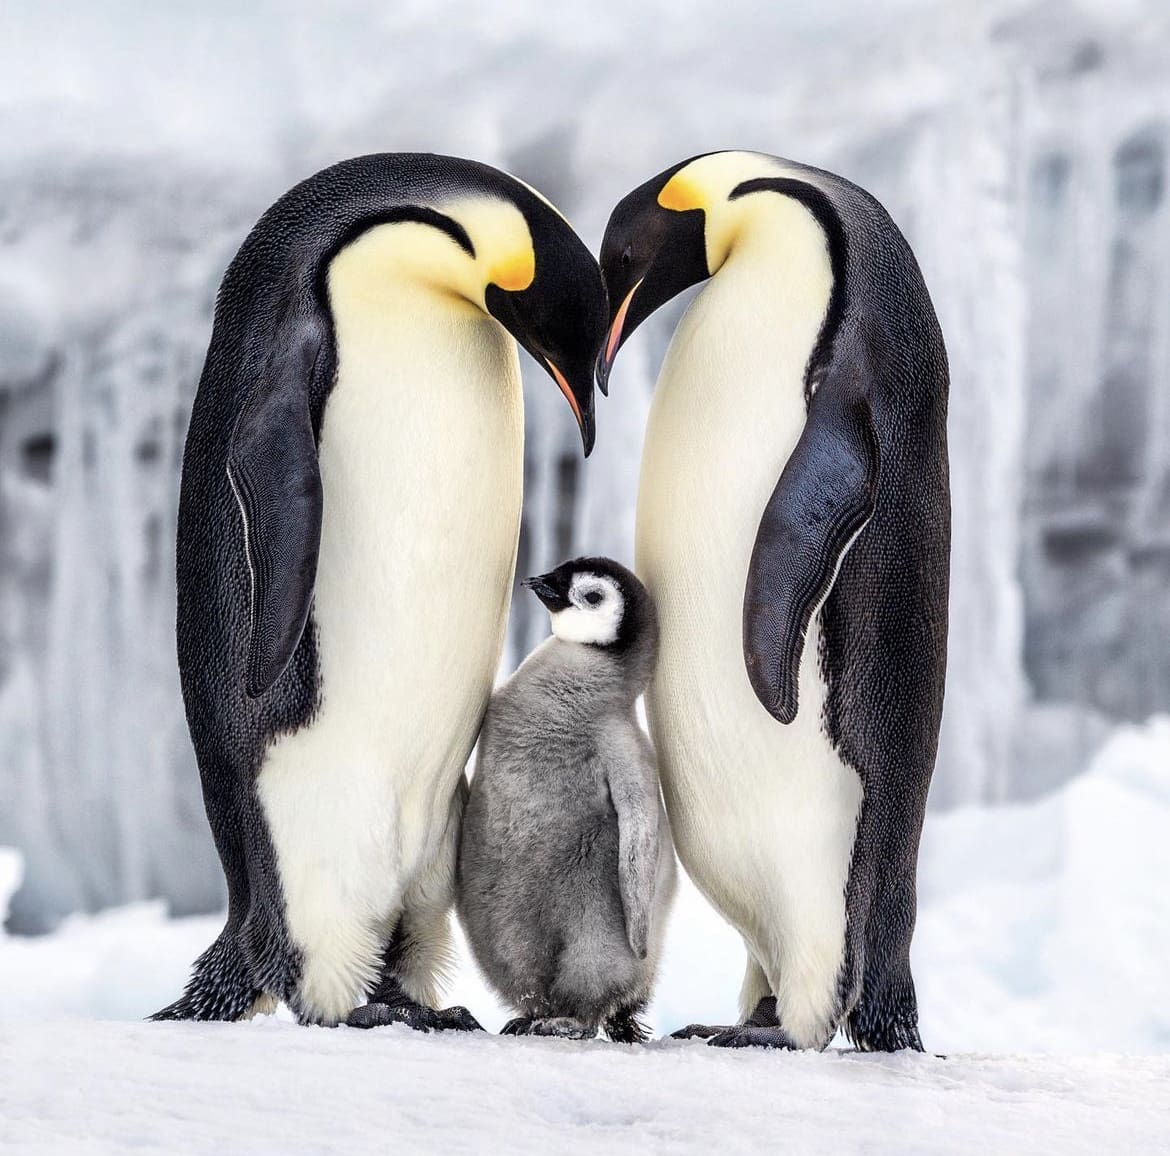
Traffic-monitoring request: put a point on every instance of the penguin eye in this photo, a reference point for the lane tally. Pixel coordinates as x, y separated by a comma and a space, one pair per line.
626, 258
593, 597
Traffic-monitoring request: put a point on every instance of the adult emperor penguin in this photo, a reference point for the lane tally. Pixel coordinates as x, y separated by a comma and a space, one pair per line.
347, 536
793, 528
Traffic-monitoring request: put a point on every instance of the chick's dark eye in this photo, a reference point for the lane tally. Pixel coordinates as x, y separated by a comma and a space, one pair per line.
593, 598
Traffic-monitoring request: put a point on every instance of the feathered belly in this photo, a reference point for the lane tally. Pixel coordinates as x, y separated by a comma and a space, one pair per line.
764, 814
422, 477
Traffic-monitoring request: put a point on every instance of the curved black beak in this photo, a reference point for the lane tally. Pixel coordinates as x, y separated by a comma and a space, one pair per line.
580, 400
543, 588
604, 365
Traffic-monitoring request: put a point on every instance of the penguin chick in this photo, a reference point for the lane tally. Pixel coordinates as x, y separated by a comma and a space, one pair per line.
566, 865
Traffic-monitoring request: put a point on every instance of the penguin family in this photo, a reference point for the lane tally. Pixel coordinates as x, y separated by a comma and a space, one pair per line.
348, 525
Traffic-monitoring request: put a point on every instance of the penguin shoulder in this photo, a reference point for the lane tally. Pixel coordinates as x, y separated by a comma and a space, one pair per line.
627, 755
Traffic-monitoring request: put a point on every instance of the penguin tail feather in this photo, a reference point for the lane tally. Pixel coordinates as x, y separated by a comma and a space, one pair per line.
624, 1026
220, 987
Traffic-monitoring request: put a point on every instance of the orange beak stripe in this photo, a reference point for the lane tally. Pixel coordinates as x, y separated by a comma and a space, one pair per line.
615, 330
560, 380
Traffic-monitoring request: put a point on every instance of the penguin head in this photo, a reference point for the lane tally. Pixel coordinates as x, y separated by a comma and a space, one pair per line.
667, 235
536, 277
597, 602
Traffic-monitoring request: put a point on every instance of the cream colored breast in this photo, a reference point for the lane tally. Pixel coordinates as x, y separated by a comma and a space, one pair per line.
421, 456
728, 409
727, 412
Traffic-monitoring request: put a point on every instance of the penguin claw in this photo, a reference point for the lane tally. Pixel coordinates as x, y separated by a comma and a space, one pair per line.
373, 1015
698, 1031
421, 1019
752, 1036
563, 1027
458, 1019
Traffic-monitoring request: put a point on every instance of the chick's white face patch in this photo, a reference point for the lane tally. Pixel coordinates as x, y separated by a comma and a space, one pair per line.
595, 614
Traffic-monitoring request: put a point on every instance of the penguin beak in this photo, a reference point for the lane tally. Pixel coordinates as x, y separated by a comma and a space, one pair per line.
581, 403
546, 592
613, 340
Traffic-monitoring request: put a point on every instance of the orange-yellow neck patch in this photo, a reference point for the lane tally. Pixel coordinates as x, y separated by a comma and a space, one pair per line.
516, 272
681, 193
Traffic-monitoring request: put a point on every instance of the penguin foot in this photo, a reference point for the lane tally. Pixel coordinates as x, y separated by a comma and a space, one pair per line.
414, 1015
751, 1035
564, 1027
764, 1016
699, 1032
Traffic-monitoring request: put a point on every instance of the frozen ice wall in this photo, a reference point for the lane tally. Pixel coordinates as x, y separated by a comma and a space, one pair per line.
1021, 147
1095, 542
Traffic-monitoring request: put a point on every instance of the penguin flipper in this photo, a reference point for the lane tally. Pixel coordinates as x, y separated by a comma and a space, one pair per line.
823, 500
274, 474
633, 784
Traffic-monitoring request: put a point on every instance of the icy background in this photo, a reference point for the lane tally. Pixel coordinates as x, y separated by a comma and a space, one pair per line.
1021, 147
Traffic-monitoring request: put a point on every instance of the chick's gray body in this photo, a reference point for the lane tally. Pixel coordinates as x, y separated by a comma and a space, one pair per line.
566, 866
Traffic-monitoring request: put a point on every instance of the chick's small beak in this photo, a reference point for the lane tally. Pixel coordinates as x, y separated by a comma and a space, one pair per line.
613, 340
582, 411
546, 592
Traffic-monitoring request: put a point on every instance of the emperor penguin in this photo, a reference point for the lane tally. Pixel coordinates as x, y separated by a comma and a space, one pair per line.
793, 529
347, 535
566, 867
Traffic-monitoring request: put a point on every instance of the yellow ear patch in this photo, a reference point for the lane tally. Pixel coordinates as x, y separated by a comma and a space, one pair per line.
681, 193
515, 272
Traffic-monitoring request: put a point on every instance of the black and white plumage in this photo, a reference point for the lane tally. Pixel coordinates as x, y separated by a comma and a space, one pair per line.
347, 536
566, 866
793, 529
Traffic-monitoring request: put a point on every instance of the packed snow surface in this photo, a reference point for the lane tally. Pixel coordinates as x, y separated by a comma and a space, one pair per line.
269, 1086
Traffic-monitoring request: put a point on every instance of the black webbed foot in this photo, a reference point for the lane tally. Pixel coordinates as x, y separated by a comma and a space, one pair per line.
564, 1027
389, 1003
764, 1017
751, 1035
414, 1015
699, 1031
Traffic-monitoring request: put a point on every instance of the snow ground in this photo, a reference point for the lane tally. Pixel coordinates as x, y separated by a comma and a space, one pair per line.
269, 1086
1042, 929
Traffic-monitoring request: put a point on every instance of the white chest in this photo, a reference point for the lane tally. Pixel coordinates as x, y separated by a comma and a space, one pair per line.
763, 814
421, 454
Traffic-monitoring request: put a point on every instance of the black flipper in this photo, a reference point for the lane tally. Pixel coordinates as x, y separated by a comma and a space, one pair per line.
824, 498
273, 469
